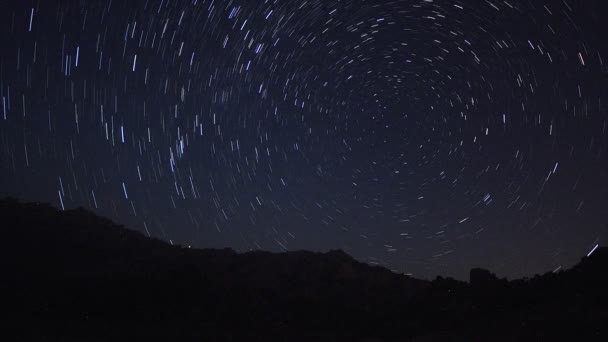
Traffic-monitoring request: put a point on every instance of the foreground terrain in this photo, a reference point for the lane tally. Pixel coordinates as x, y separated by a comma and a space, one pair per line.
74, 276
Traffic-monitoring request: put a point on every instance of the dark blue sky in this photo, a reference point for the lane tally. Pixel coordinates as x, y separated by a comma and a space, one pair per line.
426, 136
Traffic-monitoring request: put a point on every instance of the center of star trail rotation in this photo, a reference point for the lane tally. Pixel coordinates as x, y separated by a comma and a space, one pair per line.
425, 136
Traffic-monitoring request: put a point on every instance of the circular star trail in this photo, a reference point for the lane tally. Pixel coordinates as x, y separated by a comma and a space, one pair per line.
425, 136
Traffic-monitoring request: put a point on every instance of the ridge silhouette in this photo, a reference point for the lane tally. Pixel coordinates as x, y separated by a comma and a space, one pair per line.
74, 276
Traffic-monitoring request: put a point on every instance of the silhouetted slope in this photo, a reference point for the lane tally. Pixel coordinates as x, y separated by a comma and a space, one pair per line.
568, 305
76, 267
71, 276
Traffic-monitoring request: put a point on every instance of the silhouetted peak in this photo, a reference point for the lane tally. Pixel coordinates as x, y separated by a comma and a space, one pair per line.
600, 252
481, 277
339, 254
597, 259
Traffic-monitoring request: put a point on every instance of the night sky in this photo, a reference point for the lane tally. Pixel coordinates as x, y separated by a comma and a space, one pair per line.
425, 136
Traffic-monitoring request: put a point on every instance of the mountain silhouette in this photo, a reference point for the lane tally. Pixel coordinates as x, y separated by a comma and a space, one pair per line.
74, 276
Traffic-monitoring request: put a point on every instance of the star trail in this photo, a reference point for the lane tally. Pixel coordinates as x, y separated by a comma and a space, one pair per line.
424, 136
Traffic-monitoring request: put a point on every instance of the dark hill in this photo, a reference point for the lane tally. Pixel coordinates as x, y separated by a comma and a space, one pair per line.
73, 276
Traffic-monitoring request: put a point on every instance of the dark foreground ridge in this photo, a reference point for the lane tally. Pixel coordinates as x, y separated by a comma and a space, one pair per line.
73, 276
